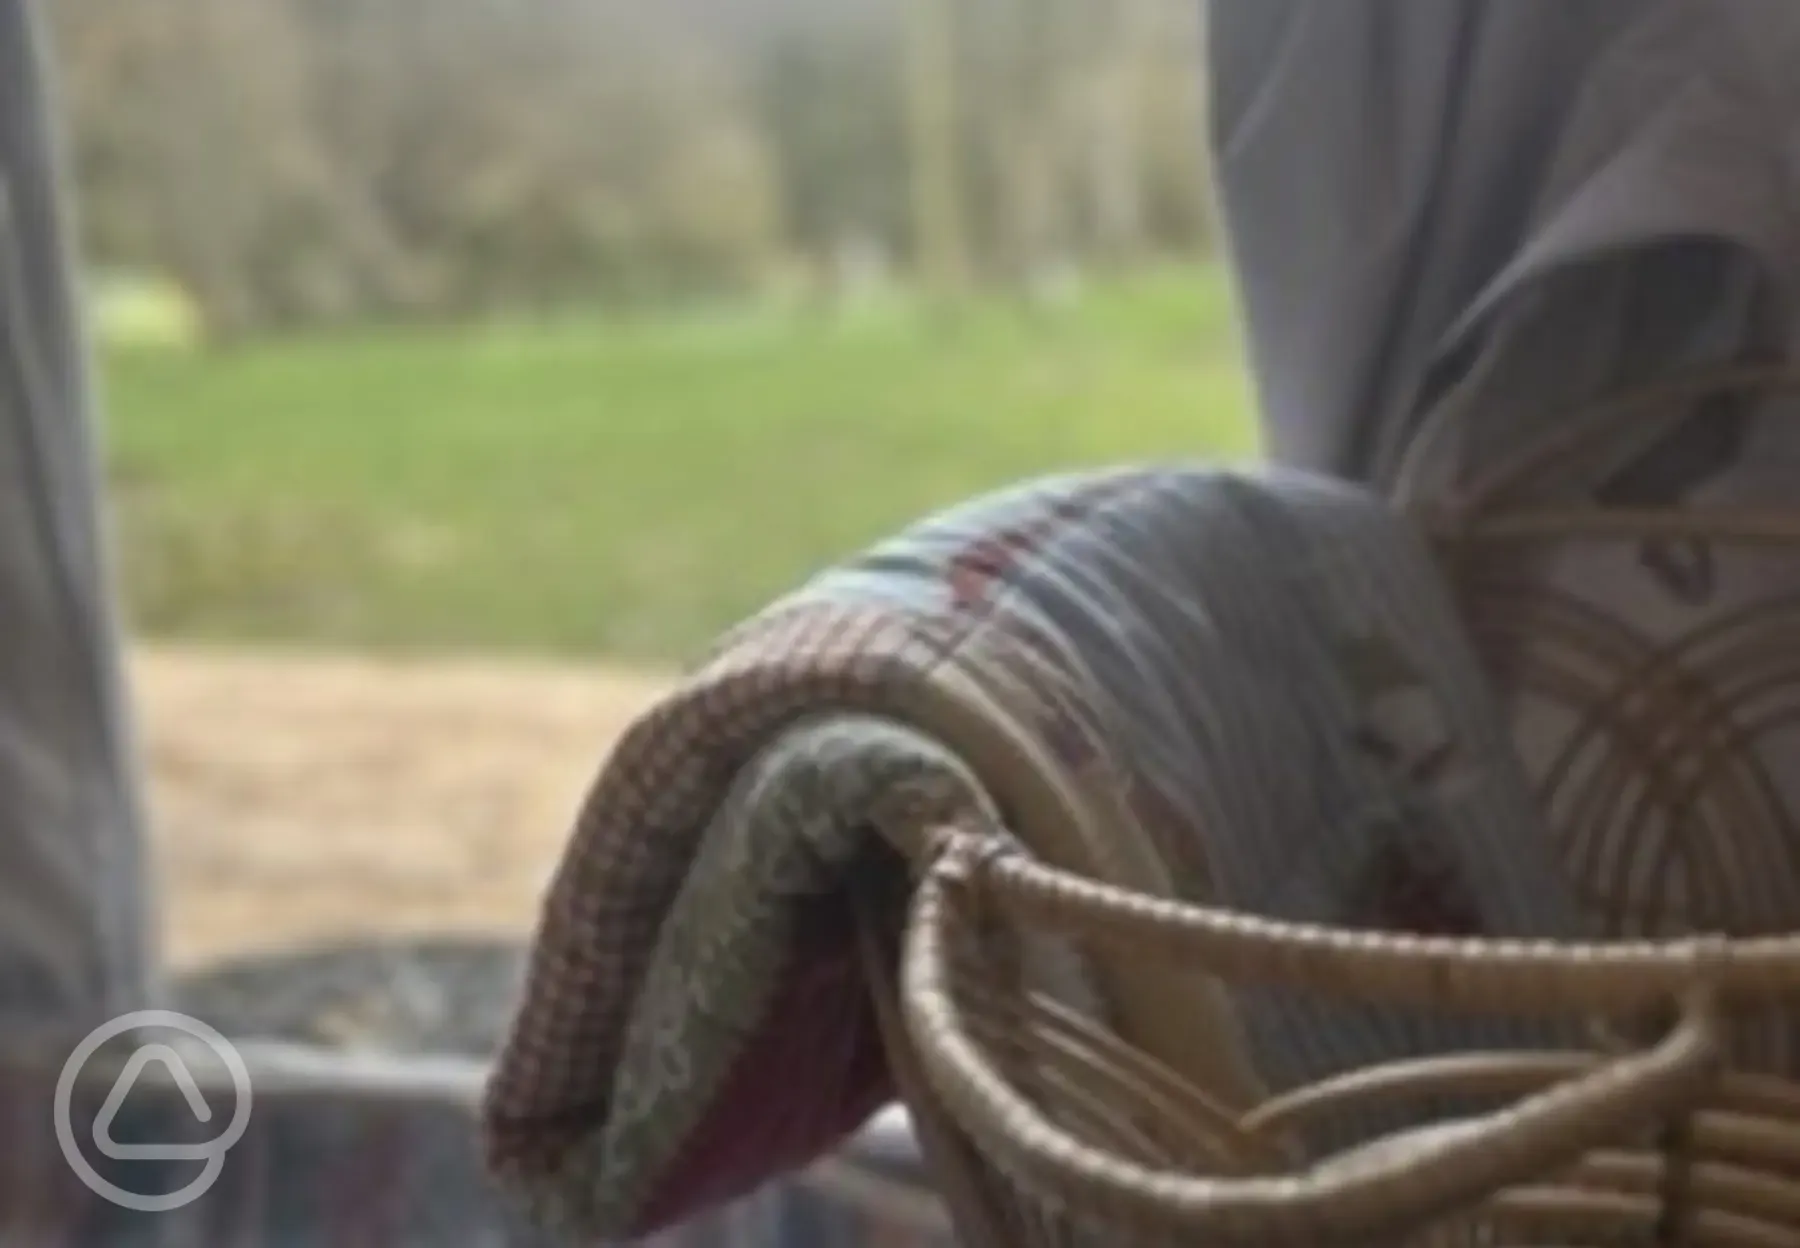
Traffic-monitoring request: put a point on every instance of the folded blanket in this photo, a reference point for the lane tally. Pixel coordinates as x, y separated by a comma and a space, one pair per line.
1255, 687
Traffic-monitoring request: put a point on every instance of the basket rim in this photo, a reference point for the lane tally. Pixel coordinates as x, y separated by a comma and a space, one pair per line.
1366, 1191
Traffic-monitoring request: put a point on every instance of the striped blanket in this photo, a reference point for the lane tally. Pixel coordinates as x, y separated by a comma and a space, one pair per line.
1257, 675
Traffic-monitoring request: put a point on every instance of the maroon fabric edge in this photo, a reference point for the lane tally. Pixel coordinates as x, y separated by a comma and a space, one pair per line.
809, 1076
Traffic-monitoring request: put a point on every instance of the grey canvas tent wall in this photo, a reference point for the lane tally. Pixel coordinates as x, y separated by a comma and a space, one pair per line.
1538, 196
1456, 222
1490, 208
75, 942
1511, 204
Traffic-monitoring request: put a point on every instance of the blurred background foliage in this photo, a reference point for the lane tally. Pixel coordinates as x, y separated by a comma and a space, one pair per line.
588, 325
291, 162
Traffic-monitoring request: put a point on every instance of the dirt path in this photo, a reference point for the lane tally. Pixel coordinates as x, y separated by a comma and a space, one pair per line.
302, 798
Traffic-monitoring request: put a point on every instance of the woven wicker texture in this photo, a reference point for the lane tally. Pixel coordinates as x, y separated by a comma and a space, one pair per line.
1677, 1125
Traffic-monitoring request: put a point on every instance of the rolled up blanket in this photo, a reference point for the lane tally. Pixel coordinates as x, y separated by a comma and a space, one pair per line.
1255, 689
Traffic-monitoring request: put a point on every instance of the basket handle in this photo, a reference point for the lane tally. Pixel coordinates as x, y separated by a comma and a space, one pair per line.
1549, 978
1393, 1185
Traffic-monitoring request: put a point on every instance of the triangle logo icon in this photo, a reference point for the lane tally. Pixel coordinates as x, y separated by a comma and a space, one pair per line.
182, 1078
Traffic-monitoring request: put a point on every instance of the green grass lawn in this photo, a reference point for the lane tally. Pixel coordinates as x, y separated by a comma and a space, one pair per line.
621, 487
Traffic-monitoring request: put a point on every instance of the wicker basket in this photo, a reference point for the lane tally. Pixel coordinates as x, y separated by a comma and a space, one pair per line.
1043, 1128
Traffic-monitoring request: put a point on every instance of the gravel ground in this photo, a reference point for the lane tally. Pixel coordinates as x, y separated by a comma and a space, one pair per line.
302, 801
351, 850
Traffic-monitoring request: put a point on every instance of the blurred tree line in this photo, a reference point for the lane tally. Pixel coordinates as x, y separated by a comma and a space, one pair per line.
293, 162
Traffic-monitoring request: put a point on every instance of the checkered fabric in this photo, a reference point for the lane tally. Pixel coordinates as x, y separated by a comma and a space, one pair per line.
1259, 674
